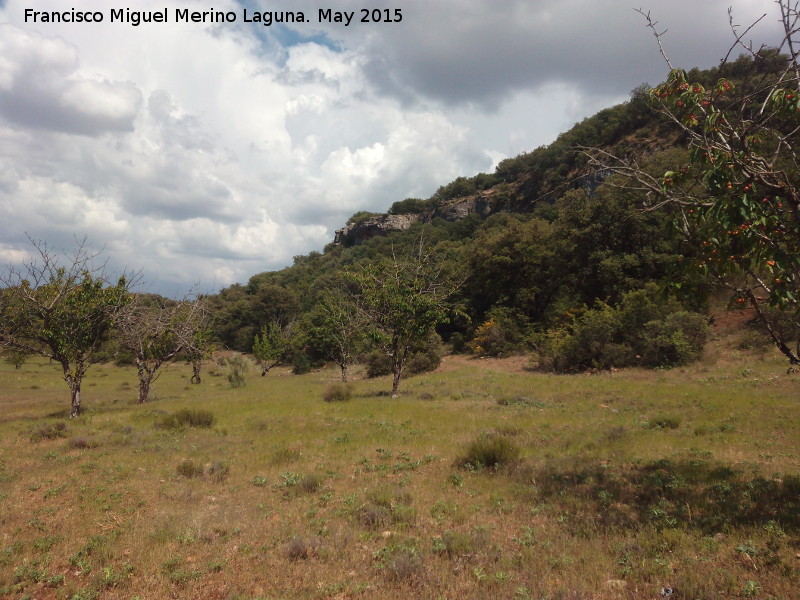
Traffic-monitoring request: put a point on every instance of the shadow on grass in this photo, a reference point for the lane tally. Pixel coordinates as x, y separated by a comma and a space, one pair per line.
688, 493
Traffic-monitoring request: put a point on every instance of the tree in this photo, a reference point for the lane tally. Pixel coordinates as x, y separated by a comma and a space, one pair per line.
198, 349
271, 345
737, 199
336, 327
155, 330
404, 299
63, 313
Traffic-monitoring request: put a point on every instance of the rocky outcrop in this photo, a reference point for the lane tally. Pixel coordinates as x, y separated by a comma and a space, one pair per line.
453, 210
356, 233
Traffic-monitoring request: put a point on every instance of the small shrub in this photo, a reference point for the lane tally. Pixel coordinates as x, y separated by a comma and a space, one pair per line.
237, 367
489, 452
188, 469
298, 548
338, 392
310, 483
82, 443
378, 364
48, 431
461, 543
404, 565
187, 418
282, 456
216, 471
664, 422
373, 516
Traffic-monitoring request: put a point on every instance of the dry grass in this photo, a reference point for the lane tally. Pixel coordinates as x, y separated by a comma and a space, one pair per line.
288, 496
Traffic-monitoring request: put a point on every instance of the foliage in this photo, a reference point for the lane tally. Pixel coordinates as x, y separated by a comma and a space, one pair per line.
187, 417
737, 198
503, 333
336, 328
64, 313
271, 346
237, 366
404, 299
489, 451
15, 357
644, 329
410, 206
338, 392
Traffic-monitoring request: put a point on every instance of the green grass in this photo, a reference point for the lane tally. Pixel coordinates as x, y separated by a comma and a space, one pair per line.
616, 485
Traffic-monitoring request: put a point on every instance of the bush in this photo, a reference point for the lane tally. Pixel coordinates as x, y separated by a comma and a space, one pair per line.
82, 443
237, 366
501, 334
214, 471
424, 362
338, 392
48, 431
489, 451
424, 357
378, 364
664, 422
298, 548
188, 469
187, 418
644, 329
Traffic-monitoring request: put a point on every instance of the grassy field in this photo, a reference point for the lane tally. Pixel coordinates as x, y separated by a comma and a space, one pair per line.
607, 486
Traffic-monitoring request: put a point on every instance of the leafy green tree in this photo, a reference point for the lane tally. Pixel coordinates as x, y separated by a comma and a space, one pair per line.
155, 330
336, 328
16, 358
404, 298
737, 199
272, 344
63, 313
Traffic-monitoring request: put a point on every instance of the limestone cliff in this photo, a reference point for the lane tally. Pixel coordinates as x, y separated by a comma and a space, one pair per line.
481, 204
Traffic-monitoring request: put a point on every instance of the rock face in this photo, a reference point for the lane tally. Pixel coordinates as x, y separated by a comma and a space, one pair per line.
454, 210
353, 234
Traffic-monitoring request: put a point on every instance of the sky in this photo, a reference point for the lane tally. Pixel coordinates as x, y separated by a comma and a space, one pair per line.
203, 153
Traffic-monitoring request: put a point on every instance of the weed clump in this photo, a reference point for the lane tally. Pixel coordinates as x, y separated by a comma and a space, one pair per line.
456, 544
83, 443
489, 451
338, 392
187, 418
664, 422
188, 469
298, 548
400, 561
214, 471
386, 506
48, 431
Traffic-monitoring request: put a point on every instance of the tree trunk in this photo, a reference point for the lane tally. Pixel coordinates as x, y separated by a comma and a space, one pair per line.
395, 381
344, 373
75, 398
144, 389
74, 379
195, 372
145, 380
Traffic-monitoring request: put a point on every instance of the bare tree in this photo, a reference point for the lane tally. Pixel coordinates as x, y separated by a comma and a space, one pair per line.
61, 311
155, 330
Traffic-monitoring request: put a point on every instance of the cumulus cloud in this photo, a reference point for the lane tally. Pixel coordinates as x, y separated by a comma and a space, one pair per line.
40, 88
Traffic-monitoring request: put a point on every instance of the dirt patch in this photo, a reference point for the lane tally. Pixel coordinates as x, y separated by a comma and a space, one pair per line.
512, 364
